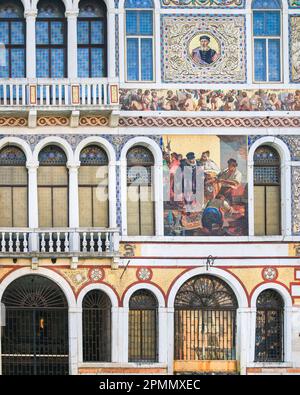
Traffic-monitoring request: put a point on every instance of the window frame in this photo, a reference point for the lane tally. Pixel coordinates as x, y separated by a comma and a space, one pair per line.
140, 37
90, 46
267, 39
10, 46
49, 47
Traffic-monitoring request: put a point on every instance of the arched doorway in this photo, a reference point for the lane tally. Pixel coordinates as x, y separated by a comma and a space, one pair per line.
35, 335
205, 326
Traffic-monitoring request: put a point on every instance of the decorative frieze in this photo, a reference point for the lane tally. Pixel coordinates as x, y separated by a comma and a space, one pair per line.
12, 121
295, 48
53, 121
203, 3
93, 121
211, 122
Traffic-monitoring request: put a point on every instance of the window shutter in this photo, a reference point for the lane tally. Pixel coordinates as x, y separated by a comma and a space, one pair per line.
147, 211
273, 210
133, 215
60, 207
259, 210
20, 207
45, 207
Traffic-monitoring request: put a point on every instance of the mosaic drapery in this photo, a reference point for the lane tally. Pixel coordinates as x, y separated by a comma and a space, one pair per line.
295, 48
206, 49
296, 199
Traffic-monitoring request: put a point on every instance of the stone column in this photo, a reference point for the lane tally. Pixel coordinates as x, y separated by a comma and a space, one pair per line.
72, 43
74, 204
111, 44
30, 17
33, 209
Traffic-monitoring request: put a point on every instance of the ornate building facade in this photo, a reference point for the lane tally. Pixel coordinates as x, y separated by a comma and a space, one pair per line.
149, 186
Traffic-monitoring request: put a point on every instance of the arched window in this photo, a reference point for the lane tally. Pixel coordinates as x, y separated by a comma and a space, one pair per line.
96, 321
53, 188
12, 40
143, 327
93, 187
140, 204
267, 40
205, 320
267, 192
139, 40
51, 40
13, 188
92, 40
269, 327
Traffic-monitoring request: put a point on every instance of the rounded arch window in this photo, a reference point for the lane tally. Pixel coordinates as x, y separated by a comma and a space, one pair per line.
140, 188
267, 191
205, 320
269, 338
53, 189
13, 188
96, 321
93, 187
143, 327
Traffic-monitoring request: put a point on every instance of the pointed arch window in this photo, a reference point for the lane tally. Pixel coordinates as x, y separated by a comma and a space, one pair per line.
139, 40
93, 187
13, 188
267, 37
51, 40
140, 202
12, 40
92, 39
267, 192
53, 188
269, 327
143, 327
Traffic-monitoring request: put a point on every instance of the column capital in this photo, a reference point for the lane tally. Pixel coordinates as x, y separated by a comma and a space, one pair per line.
73, 166
71, 13
30, 14
31, 166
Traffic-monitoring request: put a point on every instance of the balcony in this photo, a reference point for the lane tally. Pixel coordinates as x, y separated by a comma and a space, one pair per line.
80, 96
60, 242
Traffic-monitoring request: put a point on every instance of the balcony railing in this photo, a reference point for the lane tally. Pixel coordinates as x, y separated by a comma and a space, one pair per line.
61, 241
53, 92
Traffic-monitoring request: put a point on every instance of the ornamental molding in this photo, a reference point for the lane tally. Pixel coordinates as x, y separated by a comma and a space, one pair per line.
211, 122
203, 4
296, 199
94, 121
13, 121
53, 121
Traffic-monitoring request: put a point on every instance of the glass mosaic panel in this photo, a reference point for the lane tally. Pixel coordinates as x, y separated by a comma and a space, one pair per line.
83, 32
139, 175
42, 33
131, 22
260, 73
17, 63
97, 59
12, 156
17, 33
97, 32
42, 63
83, 62
52, 155
133, 59
4, 32
266, 4
139, 4
266, 23
11, 10
4, 70
146, 59
274, 60
57, 33
91, 9
146, 23
269, 175
57, 63
93, 155
51, 9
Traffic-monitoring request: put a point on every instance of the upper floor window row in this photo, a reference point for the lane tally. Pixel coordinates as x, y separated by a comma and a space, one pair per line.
52, 40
